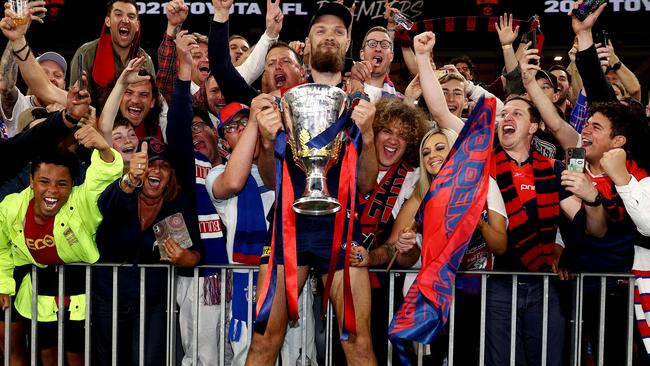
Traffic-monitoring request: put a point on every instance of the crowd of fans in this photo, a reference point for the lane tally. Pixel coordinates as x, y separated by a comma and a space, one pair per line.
92, 168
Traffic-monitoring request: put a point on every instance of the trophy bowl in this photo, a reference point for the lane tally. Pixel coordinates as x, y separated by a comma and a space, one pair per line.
307, 111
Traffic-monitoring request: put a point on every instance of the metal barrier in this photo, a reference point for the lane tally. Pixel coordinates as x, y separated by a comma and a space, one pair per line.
577, 336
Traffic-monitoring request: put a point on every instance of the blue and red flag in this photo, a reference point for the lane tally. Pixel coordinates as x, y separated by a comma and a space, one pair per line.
449, 214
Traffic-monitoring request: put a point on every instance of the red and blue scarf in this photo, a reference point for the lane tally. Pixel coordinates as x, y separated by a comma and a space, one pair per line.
449, 214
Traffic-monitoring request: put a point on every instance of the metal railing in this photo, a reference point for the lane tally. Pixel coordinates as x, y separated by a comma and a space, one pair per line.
576, 344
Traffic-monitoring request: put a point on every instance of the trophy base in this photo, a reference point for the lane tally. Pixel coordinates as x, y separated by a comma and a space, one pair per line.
316, 206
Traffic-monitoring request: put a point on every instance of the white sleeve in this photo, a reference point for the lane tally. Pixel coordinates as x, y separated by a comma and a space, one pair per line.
211, 178
636, 198
162, 120
22, 104
253, 67
476, 92
495, 200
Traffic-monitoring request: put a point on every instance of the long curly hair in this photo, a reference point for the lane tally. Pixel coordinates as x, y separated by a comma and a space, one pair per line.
412, 121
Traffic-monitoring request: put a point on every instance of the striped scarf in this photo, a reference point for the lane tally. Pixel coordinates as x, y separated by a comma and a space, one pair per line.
531, 241
612, 202
211, 231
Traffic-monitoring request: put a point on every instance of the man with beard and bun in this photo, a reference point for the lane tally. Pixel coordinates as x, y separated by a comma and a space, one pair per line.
106, 57
534, 197
372, 71
328, 42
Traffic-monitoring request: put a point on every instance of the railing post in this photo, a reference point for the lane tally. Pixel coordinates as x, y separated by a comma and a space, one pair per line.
195, 316
87, 338
452, 326
513, 321
114, 319
481, 349
601, 321
545, 320
34, 323
142, 316
60, 316
391, 307
7, 330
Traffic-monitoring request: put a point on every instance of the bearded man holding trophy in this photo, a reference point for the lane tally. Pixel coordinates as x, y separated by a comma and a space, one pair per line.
317, 151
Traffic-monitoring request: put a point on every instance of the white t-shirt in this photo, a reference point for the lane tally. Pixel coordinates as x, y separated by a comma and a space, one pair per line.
227, 208
23, 102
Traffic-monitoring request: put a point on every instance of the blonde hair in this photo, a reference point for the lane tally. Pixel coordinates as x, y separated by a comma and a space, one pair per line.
425, 179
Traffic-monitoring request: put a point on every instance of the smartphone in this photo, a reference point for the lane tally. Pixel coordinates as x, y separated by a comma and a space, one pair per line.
80, 71
586, 8
576, 159
440, 73
532, 37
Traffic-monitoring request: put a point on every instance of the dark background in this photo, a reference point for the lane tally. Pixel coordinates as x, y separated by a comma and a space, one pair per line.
70, 23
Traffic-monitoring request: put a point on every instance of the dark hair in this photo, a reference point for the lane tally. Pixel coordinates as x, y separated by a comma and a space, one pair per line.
376, 29
630, 123
412, 120
464, 59
152, 120
561, 68
281, 44
57, 156
535, 116
109, 6
205, 117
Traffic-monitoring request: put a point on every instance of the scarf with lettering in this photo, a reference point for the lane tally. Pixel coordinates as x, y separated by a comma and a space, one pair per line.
211, 230
531, 241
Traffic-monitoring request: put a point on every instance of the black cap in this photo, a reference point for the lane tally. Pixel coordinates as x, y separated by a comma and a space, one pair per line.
156, 149
541, 74
336, 9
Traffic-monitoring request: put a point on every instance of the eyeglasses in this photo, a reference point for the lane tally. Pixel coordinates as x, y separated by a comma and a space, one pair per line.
234, 125
198, 126
384, 44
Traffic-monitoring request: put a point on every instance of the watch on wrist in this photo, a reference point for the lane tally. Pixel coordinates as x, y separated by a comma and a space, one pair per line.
70, 118
616, 66
127, 181
597, 201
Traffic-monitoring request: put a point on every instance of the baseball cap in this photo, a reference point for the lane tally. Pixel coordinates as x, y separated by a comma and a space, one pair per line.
336, 9
156, 149
54, 57
228, 112
542, 74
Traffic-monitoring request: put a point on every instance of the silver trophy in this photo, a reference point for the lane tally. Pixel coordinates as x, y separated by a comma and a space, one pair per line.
308, 110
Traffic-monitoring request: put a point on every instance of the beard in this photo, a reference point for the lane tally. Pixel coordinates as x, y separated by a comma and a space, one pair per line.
324, 61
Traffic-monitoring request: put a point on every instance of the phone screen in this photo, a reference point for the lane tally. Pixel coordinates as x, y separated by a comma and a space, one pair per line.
576, 159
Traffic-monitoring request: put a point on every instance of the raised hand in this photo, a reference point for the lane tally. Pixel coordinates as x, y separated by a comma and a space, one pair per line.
274, 18
298, 46
361, 71
506, 34
13, 29
138, 165
222, 10
78, 101
265, 111
185, 43
130, 74
613, 162
423, 43
176, 13
89, 137
585, 25
363, 116
528, 70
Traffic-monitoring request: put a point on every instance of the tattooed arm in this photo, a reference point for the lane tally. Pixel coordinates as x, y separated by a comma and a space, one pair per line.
8, 75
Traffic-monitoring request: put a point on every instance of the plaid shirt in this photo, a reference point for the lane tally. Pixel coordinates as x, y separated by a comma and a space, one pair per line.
166, 75
579, 114
166, 67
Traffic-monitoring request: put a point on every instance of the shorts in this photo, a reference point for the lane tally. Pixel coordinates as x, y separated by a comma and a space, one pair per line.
73, 333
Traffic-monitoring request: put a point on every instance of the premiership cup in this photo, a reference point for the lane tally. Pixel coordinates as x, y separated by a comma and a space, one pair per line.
307, 111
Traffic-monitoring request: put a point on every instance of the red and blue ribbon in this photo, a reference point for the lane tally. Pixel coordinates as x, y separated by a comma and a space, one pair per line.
449, 214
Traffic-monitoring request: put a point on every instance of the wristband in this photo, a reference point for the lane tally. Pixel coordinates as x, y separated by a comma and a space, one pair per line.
597, 201
70, 118
616, 66
127, 180
506, 46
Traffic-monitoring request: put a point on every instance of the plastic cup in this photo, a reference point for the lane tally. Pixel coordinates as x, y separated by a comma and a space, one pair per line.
21, 9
